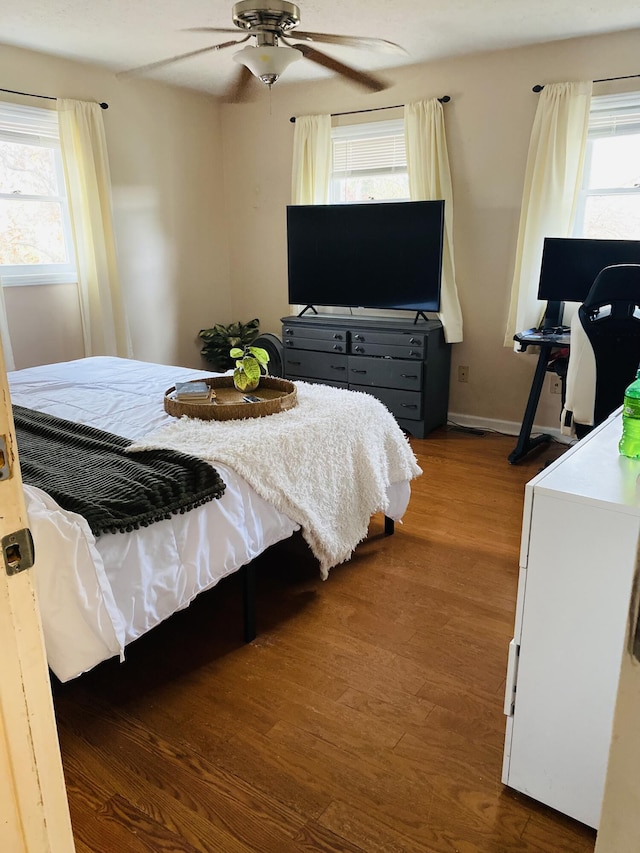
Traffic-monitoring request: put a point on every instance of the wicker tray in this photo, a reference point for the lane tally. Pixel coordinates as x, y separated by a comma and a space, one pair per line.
276, 395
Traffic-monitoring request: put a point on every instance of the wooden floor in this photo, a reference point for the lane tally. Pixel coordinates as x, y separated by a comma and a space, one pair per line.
366, 717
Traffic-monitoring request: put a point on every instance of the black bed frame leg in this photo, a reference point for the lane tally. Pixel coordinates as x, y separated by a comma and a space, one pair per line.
389, 526
249, 601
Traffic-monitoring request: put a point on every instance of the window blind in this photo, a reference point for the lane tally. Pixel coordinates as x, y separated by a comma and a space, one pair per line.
369, 148
614, 115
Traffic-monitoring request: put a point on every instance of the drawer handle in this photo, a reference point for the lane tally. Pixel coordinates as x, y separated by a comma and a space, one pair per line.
412, 353
408, 376
288, 331
338, 347
358, 349
357, 371
337, 337
415, 341
337, 367
358, 338
409, 405
289, 342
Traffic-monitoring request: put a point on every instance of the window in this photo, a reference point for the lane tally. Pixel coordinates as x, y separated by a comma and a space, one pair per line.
369, 163
609, 202
36, 245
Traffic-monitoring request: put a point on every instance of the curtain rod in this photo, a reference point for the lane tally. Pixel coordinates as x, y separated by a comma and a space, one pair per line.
46, 97
443, 100
539, 88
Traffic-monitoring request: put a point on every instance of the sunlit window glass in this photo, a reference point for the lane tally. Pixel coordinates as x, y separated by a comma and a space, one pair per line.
35, 232
609, 202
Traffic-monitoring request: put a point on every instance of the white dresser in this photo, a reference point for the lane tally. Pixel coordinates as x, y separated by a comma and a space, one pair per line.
577, 560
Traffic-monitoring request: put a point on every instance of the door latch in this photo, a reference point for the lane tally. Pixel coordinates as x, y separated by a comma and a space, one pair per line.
5, 470
18, 551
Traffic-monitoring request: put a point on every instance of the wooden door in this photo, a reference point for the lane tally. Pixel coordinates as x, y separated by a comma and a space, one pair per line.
34, 813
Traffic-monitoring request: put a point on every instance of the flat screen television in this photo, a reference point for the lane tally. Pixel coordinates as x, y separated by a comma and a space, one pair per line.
374, 255
570, 266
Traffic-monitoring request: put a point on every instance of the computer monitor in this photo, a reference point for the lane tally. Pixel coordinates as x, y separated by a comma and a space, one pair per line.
570, 266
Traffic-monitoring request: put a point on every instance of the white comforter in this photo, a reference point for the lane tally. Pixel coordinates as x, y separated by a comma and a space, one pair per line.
96, 596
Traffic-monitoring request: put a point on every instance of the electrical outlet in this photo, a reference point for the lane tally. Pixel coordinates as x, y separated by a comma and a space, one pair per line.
555, 385
463, 373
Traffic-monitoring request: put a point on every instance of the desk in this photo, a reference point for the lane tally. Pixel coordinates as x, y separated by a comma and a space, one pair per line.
547, 343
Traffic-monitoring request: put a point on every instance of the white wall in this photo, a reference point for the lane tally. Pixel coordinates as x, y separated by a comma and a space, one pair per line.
44, 323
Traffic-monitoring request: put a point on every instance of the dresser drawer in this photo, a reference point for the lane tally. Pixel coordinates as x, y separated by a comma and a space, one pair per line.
317, 344
303, 333
386, 372
315, 365
401, 404
387, 350
400, 339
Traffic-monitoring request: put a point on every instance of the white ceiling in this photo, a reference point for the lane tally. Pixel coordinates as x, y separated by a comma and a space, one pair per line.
122, 34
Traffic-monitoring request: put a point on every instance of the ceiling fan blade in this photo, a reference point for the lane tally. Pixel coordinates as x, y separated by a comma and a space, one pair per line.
240, 86
369, 81
210, 30
350, 41
142, 68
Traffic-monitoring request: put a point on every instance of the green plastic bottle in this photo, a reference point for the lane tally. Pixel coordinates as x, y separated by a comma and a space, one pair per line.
630, 441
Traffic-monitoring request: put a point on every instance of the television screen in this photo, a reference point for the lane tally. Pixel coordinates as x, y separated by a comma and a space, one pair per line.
571, 264
378, 255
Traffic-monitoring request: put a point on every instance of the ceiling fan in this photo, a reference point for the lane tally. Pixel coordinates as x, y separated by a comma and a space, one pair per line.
272, 23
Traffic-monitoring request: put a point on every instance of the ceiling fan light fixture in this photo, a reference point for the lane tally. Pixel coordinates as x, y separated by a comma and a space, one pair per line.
267, 62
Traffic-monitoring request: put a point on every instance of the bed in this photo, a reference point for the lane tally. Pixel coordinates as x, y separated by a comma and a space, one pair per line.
97, 595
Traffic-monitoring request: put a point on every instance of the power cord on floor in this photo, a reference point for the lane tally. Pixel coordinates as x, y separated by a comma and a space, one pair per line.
452, 425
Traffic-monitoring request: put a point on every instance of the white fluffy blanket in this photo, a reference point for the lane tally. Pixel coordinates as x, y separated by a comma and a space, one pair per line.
326, 463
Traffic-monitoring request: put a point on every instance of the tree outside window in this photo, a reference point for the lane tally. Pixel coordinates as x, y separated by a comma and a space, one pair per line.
35, 232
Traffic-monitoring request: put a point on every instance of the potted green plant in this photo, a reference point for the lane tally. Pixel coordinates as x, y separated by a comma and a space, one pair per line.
219, 339
250, 363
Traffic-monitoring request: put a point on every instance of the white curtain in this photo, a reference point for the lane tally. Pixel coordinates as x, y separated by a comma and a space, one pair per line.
84, 154
551, 185
311, 170
430, 179
5, 340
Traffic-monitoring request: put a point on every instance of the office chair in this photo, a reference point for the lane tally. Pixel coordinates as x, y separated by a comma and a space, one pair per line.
610, 319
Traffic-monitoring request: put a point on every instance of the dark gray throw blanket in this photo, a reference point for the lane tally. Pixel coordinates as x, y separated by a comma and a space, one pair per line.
87, 471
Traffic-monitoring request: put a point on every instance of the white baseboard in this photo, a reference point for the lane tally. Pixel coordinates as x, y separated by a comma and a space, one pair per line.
505, 427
